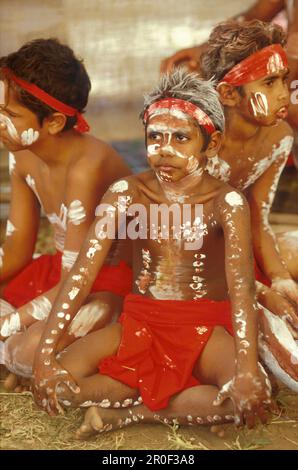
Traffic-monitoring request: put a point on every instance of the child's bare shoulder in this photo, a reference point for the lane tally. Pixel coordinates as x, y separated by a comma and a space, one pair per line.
96, 159
229, 198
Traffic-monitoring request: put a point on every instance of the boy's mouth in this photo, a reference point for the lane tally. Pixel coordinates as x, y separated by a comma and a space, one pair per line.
166, 168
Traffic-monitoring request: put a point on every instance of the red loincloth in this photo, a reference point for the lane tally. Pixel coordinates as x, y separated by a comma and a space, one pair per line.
43, 273
161, 341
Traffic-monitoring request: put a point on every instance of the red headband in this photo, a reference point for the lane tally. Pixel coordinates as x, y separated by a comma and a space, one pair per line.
81, 125
267, 61
184, 106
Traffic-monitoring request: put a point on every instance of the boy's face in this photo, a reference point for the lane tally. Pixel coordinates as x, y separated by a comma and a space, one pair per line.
19, 127
266, 100
174, 147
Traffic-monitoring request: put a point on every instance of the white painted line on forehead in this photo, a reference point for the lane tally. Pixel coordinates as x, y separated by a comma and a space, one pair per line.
166, 129
173, 112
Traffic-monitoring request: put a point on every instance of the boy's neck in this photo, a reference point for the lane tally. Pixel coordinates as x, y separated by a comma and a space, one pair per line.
238, 128
183, 188
57, 149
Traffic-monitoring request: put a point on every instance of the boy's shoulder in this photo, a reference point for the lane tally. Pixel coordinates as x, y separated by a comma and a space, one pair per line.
228, 196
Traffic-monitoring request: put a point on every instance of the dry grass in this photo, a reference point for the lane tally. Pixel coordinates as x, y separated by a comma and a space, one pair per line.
24, 426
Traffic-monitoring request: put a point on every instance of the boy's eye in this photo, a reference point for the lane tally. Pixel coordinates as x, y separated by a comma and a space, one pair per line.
181, 137
269, 83
154, 136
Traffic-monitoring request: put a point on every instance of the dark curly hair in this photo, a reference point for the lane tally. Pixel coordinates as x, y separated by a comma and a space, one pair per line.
231, 42
53, 67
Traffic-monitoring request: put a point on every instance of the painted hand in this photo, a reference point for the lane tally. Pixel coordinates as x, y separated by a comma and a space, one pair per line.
289, 289
250, 395
48, 378
278, 304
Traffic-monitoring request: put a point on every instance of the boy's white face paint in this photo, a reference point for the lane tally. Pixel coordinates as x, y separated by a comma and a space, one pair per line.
11, 130
29, 136
76, 212
11, 162
259, 104
10, 228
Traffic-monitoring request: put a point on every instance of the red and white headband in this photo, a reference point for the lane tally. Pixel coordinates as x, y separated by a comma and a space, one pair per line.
181, 105
34, 90
270, 60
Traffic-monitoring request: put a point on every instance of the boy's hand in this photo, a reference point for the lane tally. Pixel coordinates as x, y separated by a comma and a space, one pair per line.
250, 395
278, 304
47, 379
288, 288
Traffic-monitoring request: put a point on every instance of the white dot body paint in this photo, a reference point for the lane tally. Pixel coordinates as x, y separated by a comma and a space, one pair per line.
234, 199
11, 162
119, 186
10, 228
76, 213
40, 308
67, 317
73, 293
60, 314
11, 130
11, 325
29, 136
65, 306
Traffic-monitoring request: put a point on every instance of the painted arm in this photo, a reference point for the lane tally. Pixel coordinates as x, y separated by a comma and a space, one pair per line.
263, 10
72, 294
260, 198
84, 190
22, 225
248, 389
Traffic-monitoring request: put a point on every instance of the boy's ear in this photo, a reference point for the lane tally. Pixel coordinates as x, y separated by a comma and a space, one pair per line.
214, 144
55, 123
228, 94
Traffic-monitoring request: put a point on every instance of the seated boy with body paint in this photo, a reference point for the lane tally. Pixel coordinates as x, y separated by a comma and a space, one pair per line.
183, 345
250, 67
56, 166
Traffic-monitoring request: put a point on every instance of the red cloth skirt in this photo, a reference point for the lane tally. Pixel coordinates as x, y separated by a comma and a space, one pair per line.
161, 342
43, 273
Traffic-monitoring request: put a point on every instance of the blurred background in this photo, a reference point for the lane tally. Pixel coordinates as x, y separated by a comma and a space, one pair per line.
122, 43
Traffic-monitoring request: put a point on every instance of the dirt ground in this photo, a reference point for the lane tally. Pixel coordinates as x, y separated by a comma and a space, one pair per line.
24, 426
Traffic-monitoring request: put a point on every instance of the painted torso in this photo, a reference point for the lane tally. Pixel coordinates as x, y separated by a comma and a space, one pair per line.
173, 268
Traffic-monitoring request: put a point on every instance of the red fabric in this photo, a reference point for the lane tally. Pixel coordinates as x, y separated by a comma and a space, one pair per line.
186, 107
44, 273
34, 90
267, 61
161, 341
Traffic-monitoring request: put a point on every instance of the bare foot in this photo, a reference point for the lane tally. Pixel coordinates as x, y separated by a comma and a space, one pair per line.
98, 420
